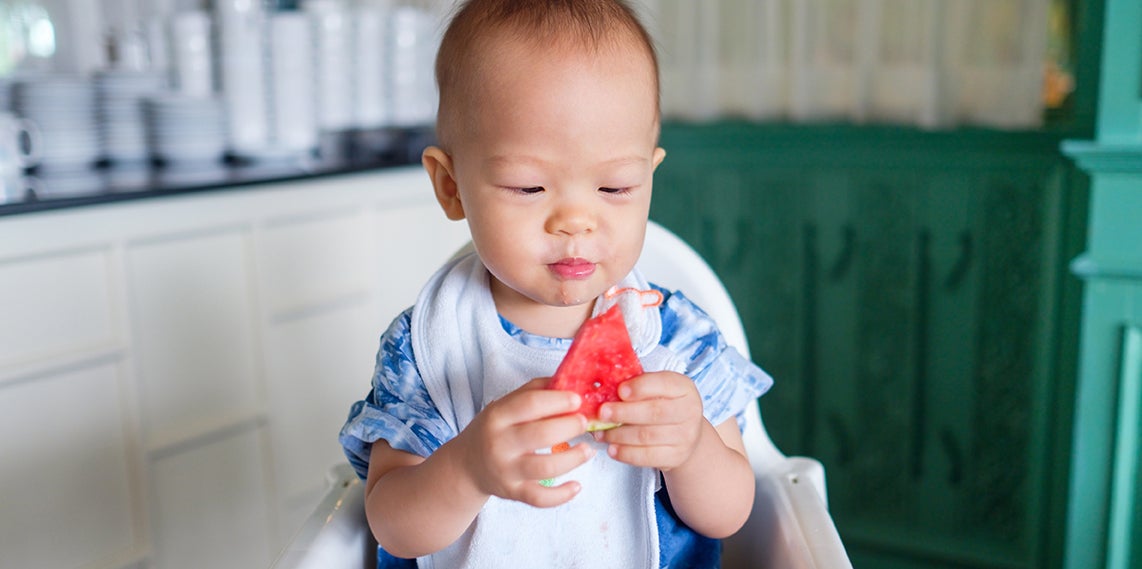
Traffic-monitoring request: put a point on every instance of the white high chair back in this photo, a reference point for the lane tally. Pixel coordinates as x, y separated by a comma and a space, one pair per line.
789, 527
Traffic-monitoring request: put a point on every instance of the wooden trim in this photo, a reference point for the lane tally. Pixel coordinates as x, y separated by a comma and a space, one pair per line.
1128, 443
1087, 267
1104, 158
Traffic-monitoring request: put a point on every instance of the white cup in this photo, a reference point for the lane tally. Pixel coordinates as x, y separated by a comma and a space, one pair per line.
20, 143
14, 187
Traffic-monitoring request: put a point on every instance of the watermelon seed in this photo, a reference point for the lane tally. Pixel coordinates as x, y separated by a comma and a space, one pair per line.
597, 384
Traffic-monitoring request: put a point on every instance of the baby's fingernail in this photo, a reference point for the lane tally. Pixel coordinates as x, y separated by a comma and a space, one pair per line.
598, 435
624, 391
605, 412
574, 401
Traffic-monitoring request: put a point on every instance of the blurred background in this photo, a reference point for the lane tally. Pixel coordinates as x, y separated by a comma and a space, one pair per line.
879, 183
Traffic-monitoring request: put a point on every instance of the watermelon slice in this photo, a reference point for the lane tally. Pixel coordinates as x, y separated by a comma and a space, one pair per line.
600, 358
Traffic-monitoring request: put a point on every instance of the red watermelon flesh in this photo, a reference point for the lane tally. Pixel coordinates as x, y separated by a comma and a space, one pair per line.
600, 358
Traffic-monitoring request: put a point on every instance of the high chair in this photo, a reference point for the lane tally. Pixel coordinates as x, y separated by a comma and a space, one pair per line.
789, 528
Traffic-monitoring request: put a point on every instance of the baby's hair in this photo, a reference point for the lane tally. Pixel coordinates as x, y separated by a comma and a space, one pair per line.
576, 24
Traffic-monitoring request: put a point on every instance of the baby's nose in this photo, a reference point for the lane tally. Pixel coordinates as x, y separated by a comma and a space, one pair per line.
571, 219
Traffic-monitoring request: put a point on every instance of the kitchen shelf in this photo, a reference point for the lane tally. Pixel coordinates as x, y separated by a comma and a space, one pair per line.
106, 183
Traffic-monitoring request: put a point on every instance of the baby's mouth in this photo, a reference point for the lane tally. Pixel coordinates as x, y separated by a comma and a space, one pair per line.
572, 268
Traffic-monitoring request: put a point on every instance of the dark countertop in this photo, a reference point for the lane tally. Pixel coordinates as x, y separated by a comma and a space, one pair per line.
107, 183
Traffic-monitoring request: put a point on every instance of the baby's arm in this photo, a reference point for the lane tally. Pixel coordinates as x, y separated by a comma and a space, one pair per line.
707, 474
417, 506
713, 491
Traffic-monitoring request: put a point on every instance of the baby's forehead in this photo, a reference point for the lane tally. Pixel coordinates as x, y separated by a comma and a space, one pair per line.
500, 56
476, 61
560, 44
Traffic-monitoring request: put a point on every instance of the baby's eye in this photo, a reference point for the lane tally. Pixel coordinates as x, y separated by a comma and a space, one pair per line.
529, 191
614, 190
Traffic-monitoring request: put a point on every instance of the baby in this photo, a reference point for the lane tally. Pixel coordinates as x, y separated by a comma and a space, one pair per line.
548, 129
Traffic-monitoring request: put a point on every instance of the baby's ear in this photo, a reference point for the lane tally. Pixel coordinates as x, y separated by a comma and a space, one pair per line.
438, 164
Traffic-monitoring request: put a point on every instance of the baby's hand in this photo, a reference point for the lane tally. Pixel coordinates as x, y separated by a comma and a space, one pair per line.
661, 420
501, 441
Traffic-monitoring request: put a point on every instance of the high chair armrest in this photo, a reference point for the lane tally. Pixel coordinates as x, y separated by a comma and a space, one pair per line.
790, 526
336, 535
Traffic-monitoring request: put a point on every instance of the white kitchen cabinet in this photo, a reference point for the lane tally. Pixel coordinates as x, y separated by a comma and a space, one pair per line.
212, 504
314, 260
192, 328
174, 371
316, 366
55, 305
415, 234
66, 496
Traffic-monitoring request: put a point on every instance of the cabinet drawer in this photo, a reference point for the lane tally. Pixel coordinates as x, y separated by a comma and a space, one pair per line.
316, 367
65, 471
210, 505
413, 243
54, 306
313, 261
192, 331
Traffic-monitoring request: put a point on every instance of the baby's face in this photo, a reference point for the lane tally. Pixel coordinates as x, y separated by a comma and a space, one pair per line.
555, 171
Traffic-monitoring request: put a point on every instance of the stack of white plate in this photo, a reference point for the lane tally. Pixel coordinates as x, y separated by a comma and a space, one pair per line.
5, 94
292, 94
121, 121
370, 58
333, 61
184, 130
413, 42
241, 28
65, 183
63, 106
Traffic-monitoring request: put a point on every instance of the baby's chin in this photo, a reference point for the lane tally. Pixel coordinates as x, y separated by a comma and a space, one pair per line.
577, 294
568, 301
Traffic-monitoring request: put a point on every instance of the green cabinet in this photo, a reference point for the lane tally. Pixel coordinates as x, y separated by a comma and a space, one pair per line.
910, 293
954, 319
1104, 529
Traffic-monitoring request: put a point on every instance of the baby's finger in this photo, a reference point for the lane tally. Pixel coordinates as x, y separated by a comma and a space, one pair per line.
648, 412
527, 404
547, 432
662, 457
655, 385
536, 383
547, 466
535, 494
640, 435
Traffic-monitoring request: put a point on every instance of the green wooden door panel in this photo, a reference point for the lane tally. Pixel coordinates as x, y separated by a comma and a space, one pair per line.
1120, 91
1122, 550
907, 292
1117, 204
1104, 498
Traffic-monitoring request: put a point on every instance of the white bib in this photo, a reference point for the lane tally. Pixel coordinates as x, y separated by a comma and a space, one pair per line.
468, 360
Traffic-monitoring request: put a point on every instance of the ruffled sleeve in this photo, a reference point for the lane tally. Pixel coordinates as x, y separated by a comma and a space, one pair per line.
398, 408
726, 380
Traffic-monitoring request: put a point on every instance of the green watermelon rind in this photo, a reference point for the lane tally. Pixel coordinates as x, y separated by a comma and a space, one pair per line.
593, 426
